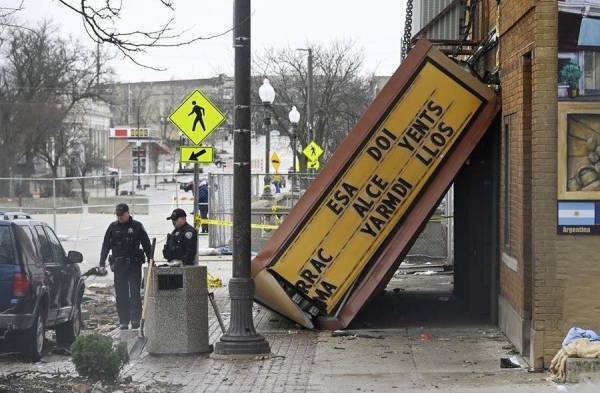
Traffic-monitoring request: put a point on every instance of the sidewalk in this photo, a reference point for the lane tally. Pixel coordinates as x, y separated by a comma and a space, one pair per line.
452, 358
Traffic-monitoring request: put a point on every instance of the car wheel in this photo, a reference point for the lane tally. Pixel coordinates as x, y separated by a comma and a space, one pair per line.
33, 339
67, 332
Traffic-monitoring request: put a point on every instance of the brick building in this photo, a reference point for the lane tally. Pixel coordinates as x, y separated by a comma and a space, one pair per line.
542, 281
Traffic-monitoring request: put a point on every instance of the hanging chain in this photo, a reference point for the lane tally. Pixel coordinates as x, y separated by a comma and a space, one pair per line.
406, 42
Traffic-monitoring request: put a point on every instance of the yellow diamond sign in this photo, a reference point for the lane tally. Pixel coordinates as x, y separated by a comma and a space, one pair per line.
197, 117
313, 151
275, 161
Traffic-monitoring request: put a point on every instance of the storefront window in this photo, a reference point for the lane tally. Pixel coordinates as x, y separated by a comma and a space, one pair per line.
591, 72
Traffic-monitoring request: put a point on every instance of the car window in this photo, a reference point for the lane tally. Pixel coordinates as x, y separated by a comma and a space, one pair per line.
58, 253
25, 242
44, 244
7, 256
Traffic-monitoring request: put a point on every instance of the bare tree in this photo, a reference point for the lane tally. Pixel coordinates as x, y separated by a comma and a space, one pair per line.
43, 78
342, 91
101, 19
84, 160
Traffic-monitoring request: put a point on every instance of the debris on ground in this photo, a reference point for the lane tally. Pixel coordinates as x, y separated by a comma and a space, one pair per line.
511, 362
353, 334
99, 308
425, 337
213, 281
33, 382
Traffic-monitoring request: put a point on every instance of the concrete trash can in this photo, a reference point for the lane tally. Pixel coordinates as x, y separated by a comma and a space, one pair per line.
177, 317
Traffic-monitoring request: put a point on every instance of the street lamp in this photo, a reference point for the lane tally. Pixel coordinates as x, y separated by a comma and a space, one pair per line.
267, 96
294, 117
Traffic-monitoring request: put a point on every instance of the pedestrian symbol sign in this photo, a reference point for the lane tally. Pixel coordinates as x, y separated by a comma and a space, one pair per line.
313, 151
196, 154
313, 165
197, 117
275, 161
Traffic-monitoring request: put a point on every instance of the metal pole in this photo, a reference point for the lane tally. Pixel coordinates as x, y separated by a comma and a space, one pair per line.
54, 203
309, 97
241, 337
267, 187
293, 160
195, 193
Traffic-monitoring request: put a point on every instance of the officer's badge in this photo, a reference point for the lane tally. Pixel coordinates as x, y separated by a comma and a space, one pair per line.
189, 235
130, 230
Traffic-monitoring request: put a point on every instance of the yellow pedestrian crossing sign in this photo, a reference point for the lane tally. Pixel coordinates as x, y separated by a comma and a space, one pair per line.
197, 117
275, 161
196, 154
313, 165
313, 151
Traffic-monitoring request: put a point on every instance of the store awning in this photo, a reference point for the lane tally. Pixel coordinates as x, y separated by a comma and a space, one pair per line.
589, 33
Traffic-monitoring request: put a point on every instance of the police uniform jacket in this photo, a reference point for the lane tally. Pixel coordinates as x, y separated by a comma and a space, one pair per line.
182, 245
125, 239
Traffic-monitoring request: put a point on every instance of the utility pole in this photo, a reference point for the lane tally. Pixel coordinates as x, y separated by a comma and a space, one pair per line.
309, 98
241, 339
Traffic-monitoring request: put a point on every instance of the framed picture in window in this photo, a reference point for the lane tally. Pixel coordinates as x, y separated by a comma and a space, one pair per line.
578, 150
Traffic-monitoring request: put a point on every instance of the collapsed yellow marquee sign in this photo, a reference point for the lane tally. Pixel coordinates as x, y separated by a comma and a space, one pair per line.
377, 187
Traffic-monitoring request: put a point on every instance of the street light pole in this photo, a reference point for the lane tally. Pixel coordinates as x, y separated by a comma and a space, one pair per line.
294, 117
241, 339
267, 96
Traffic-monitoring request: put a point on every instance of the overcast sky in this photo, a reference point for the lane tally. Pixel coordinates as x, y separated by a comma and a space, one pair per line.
376, 26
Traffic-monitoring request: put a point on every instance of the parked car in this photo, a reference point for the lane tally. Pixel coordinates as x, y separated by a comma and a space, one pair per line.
40, 286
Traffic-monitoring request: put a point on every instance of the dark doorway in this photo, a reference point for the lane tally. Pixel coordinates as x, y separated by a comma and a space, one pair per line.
463, 290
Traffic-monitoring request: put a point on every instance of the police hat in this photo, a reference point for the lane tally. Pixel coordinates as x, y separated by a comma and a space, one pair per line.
121, 208
176, 214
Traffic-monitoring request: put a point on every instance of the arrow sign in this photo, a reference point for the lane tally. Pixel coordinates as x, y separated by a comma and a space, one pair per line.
196, 154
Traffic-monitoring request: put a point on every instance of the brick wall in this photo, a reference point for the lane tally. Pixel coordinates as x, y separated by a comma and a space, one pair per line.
517, 34
557, 278
547, 290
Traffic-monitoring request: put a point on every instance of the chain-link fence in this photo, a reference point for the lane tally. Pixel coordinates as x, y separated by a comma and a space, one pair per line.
94, 194
80, 207
269, 206
434, 245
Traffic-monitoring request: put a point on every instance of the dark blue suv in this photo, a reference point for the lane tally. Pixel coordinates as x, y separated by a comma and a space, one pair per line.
40, 286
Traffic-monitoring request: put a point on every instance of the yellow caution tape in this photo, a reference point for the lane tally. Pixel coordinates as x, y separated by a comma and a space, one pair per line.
213, 282
200, 221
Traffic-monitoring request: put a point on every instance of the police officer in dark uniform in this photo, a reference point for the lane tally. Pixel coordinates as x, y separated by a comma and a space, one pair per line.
124, 237
182, 243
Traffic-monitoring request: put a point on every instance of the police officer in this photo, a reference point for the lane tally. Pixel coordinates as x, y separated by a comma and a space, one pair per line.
182, 243
124, 237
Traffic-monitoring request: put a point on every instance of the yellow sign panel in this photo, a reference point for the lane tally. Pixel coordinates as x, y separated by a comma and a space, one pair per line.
377, 187
313, 151
197, 117
196, 154
275, 161
313, 165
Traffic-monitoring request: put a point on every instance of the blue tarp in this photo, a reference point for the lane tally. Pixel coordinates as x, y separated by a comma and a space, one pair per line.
575, 333
589, 33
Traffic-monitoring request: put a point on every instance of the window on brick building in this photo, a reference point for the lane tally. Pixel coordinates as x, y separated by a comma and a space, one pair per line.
591, 72
506, 178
